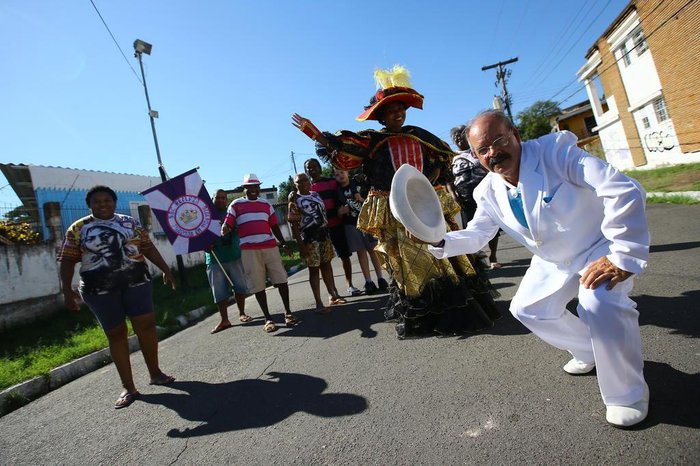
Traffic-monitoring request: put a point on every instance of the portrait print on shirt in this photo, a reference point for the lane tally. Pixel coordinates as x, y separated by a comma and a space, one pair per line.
313, 218
110, 256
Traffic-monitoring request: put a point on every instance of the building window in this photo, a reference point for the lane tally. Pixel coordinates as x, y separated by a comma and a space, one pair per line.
590, 123
624, 55
645, 122
640, 43
660, 110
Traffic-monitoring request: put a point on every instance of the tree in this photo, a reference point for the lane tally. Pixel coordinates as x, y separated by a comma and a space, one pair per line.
533, 122
284, 189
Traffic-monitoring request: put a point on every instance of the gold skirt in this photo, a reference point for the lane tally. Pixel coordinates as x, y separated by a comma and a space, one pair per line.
411, 264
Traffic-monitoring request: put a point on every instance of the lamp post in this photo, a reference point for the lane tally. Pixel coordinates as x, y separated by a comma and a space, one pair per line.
141, 47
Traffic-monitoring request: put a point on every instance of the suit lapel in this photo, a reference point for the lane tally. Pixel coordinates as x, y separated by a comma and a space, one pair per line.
530, 184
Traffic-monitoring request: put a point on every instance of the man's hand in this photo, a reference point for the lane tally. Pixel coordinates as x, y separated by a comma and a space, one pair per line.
71, 299
168, 277
225, 229
602, 270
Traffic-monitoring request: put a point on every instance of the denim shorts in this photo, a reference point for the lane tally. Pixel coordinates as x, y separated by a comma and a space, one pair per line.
359, 240
112, 308
220, 287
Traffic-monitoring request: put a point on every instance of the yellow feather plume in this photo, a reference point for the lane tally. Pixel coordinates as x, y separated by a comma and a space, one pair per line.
398, 76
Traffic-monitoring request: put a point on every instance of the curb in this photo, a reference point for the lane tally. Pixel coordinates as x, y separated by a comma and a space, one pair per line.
18, 395
691, 194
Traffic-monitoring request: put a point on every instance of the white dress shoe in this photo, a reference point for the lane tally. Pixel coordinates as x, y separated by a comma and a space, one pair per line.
576, 367
626, 416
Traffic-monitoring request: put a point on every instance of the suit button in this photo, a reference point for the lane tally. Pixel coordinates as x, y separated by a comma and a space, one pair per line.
567, 262
538, 243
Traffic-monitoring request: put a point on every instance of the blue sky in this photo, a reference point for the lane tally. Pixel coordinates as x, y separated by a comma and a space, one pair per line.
225, 76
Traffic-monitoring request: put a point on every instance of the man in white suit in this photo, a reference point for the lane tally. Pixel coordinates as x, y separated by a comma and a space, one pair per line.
584, 222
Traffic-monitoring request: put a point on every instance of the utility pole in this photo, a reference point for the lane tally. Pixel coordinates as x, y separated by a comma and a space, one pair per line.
141, 47
294, 163
501, 76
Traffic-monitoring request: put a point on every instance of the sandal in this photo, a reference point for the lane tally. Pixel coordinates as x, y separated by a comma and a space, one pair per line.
336, 300
290, 320
220, 328
162, 379
245, 318
125, 399
269, 326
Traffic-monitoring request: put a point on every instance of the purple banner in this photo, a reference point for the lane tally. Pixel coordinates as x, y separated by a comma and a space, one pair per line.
184, 209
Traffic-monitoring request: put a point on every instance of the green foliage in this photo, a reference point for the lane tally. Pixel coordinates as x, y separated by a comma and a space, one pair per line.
672, 199
284, 189
18, 232
533, 122
684, 177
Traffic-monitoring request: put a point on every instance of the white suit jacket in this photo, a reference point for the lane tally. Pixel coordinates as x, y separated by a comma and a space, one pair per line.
578, 209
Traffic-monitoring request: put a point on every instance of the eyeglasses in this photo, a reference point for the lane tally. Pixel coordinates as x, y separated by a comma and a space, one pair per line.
496, 144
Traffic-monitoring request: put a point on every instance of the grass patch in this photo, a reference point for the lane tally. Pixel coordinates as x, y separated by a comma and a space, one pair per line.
33, 350
672, 199
669, 179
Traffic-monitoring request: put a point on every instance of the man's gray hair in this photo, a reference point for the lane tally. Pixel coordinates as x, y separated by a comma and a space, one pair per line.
488, 113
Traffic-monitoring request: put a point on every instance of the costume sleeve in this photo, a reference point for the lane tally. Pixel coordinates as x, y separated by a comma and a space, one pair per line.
624, 200
346, 150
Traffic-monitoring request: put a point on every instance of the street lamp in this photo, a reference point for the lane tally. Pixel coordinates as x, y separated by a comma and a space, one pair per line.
141, 47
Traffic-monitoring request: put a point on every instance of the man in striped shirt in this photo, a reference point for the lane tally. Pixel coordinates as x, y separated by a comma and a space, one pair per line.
259, 233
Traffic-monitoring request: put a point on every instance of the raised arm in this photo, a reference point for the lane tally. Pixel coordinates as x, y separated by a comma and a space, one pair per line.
305, 126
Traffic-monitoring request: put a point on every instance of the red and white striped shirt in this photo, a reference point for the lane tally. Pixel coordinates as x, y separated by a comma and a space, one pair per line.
254, 220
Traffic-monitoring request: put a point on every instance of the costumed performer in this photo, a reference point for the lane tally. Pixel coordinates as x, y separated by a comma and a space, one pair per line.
442, 295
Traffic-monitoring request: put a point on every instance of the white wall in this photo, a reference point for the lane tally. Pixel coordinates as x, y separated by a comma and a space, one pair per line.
30, 284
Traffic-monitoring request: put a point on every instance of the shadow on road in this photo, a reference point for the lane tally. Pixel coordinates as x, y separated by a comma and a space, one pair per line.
680, 313
252, 403
673, 247
358, 314
672, 395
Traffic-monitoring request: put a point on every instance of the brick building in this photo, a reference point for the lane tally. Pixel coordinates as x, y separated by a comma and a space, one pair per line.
645, 67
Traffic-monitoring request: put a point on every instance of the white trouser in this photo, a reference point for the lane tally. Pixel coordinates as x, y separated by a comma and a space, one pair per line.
607, 332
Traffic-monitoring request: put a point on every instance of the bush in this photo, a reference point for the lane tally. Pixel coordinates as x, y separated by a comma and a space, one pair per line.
18, 232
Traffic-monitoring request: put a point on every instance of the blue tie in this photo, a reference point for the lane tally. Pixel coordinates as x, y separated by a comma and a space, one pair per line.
516, 203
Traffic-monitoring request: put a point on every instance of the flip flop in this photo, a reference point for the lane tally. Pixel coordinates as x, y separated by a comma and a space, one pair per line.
220, 328
245, 318
337, 300
163, 379
125, 399
290, 320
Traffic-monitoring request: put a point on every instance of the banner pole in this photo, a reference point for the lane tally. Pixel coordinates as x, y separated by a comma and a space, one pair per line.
222, 268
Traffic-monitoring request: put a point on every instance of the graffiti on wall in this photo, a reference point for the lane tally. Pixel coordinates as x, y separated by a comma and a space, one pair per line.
659, 141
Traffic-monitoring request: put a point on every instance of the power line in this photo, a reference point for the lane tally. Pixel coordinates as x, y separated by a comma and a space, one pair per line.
115, 42
559, 43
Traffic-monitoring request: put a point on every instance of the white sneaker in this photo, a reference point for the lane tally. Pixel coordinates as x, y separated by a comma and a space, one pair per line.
626, 416
352, 291
576, 367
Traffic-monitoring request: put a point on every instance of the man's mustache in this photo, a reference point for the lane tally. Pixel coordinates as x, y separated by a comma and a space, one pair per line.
498, 158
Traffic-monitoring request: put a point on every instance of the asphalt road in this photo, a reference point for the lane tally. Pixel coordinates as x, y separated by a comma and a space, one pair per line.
341, 389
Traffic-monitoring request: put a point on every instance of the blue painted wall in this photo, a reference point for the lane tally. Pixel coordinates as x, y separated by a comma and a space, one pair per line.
73, 205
